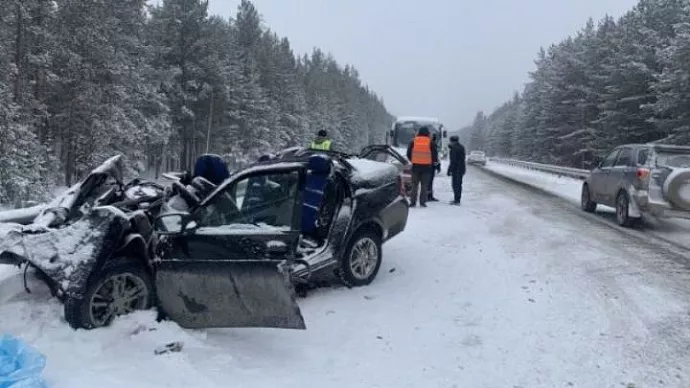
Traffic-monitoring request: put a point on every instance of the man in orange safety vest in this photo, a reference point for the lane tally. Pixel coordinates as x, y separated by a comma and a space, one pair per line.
423, 154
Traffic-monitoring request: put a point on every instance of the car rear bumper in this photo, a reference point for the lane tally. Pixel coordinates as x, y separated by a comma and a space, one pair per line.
664, 212
657, 208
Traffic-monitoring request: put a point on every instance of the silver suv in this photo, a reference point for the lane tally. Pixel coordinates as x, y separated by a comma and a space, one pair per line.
641, 179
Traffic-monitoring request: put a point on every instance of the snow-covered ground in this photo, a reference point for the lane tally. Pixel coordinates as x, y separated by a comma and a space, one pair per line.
507, 290
676, 231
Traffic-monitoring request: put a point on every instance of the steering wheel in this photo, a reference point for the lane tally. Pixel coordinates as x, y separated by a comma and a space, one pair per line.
187, 195
231, 211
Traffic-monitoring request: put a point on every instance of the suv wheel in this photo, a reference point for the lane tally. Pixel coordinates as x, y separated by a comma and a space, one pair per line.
586, 202
121, 287
622, 210
362, 259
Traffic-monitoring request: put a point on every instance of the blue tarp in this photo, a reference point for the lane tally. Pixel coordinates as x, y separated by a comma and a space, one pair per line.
20, 364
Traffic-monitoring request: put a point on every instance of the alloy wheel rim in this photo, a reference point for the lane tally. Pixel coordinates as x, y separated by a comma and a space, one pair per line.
117, 295
363, 258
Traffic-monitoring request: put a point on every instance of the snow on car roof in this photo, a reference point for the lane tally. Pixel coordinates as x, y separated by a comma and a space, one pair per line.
368, 169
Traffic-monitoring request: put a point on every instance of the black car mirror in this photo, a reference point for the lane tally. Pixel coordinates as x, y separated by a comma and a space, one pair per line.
174, 223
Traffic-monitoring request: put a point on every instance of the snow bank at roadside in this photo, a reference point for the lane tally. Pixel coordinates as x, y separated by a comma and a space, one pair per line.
564, 187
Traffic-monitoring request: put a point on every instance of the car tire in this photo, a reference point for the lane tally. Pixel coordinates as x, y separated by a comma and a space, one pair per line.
586, 202
365, 249
673, 188
622, 210
79, 310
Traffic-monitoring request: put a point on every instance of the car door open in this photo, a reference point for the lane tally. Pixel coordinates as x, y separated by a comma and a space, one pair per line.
227, 263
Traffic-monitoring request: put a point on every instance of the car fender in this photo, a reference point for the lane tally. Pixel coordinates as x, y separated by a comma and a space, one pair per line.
134, 245
371, 223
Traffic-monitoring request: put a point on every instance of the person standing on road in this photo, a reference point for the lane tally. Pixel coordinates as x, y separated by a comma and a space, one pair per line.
423, 154
322, 142
456, 169
434, 171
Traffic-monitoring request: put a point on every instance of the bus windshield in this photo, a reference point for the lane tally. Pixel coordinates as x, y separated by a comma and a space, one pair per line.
405, 132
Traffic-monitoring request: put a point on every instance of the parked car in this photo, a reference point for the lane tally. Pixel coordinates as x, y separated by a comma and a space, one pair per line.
223, 255
388, 154
639, 180
477, 157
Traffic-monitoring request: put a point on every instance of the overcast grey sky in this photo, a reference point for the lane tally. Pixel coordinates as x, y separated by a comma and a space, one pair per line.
442, 58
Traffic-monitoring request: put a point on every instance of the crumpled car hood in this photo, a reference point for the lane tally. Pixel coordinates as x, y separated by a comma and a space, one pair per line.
67, 255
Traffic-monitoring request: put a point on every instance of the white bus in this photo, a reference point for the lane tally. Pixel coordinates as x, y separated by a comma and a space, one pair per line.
405, 128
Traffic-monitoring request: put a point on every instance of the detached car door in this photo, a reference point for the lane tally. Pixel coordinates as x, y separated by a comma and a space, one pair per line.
229, 266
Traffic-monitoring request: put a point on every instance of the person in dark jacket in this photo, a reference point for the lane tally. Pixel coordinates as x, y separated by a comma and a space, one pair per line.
423, 154
434, 171
456, 169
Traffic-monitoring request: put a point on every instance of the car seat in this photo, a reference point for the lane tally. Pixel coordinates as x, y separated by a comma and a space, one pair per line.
318, 172
212, 168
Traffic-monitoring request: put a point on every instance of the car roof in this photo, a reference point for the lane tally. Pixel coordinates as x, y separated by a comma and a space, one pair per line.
302, 155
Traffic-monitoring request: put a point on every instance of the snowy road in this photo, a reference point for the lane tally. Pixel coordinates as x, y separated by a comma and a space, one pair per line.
674, 231
509, 290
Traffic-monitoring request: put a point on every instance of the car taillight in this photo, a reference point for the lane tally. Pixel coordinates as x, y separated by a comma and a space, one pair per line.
642, 174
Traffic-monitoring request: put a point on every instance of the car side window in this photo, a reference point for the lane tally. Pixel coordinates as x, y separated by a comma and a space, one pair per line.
610, 159
624, 157
257, 200
643, 156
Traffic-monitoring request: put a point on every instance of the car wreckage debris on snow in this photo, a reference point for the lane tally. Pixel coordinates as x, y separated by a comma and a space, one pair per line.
212, 249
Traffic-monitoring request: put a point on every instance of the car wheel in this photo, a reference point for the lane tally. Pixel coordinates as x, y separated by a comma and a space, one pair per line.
622, 210
362, 259
586, 202
121, 287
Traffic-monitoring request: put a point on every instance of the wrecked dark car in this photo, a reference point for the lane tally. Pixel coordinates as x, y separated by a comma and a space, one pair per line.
386, 154
208, 254
295, 218
84, 243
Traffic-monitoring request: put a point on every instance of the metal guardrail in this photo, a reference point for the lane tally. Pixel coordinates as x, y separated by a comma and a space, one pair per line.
558, 170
